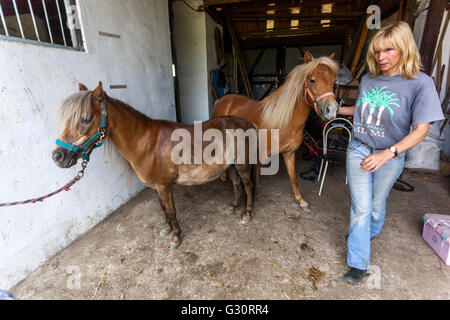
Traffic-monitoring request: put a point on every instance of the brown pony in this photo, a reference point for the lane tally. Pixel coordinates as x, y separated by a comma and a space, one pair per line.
308, 86
90, 116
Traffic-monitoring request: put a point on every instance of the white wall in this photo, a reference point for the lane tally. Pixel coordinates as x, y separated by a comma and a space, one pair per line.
33, 80
195, 52
211, 55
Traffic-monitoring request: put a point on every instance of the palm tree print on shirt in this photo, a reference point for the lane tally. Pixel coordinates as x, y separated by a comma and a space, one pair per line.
377, 99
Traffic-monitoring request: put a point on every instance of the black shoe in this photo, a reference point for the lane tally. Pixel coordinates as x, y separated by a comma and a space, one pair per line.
355, 275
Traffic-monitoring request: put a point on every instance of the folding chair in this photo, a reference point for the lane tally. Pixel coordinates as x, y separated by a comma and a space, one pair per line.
339, 123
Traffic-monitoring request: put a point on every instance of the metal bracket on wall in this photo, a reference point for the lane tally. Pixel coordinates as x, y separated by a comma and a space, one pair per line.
111, 35
121, 86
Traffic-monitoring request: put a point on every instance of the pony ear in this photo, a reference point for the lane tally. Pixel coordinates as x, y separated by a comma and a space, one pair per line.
332, 56
98, 93
82, 87
307, 58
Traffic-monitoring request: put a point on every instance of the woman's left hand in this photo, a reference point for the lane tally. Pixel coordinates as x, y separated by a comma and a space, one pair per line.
376, 160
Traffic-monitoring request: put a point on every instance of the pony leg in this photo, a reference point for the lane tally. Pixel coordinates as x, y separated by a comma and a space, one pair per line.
233, 175
248, 176
224, 176
166, 195
289, 160
167, 227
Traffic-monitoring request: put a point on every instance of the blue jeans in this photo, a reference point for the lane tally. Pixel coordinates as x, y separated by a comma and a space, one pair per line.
369, 192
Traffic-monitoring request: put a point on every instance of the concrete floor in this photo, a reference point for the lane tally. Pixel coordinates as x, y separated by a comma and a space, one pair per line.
283, 253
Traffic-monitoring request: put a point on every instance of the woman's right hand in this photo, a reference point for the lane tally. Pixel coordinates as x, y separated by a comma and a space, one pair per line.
347, 111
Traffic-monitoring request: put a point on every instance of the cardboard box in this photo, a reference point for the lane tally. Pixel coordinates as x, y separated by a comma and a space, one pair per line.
436, 232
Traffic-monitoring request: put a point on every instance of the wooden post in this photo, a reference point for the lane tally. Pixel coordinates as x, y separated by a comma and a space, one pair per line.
240, 60
401, 11
431, 33
439, 47
409, 14
362, 39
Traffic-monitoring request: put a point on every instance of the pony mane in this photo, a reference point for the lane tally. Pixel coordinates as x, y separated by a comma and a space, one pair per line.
278, 108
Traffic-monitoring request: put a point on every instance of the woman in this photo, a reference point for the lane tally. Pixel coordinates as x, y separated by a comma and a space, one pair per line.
394, 97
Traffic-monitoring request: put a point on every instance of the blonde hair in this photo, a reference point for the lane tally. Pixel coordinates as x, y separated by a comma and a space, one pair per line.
397, 36
278, 108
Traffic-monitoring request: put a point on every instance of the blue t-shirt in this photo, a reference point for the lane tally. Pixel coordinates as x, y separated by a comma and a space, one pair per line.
387, 107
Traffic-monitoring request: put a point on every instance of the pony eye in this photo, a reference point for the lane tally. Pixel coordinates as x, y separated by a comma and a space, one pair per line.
312, 81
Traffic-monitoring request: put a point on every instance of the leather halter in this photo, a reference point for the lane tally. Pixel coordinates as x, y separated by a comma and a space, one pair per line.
316, 99
96, 140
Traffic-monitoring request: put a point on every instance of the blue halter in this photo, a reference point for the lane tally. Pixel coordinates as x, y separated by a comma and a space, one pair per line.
99, 135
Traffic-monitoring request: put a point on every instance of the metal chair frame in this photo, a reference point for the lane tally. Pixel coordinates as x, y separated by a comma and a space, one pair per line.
335, 124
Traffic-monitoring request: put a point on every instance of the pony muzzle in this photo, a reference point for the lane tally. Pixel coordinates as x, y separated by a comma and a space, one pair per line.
328, 109
64, 158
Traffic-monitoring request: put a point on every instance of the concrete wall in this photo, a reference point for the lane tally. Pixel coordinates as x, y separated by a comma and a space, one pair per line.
211, 55
196, 57
33, 80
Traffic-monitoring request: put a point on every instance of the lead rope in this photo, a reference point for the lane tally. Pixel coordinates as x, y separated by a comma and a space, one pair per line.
67, 187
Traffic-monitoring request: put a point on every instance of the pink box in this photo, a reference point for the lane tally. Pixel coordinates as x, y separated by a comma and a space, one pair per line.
436, 232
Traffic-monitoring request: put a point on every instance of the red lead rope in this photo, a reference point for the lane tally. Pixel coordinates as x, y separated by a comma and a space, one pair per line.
65, 188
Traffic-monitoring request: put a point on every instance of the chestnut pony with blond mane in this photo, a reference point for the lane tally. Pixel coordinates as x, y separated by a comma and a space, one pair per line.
308, 86
88, 117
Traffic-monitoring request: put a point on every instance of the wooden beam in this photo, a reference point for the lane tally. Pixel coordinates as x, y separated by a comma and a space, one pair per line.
209, 3
409, 15
401, 10
301, 16
388, 7
316, 30
329, 38
239, 58
262, 5
439, 47
431, 33
289, 18
362, 40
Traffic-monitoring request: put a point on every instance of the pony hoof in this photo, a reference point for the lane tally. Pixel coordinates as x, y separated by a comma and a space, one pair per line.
246, 218
165, 231
306, 208
174, 244
228, 211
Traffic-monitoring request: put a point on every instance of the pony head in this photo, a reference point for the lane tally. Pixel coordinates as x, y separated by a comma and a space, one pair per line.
80, 121
319, 86
316, 76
